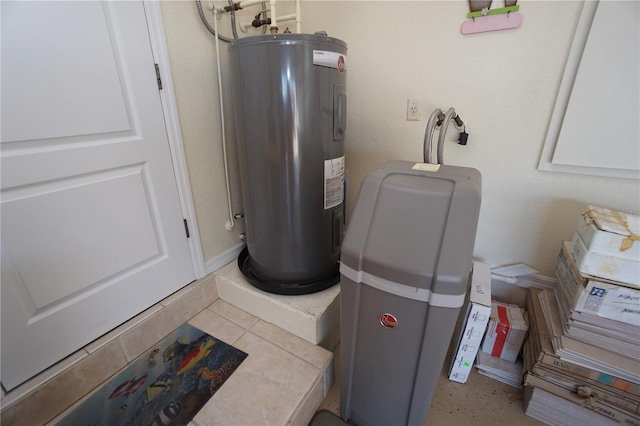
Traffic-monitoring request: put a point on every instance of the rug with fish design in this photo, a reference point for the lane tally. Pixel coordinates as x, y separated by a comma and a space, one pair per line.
167, 385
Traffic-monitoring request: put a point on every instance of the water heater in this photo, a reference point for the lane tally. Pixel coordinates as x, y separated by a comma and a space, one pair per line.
289, 95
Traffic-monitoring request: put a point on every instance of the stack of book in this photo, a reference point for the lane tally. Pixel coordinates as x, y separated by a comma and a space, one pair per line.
582, 356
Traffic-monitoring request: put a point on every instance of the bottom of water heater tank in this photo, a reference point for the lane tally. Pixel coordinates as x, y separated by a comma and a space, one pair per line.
285, 288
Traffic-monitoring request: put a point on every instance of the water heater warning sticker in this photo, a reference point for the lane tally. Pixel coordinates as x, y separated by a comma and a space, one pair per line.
333, 182
329, 59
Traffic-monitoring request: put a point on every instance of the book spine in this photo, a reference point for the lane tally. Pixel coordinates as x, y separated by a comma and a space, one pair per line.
584, 386
569, 280
598, 406
556, 363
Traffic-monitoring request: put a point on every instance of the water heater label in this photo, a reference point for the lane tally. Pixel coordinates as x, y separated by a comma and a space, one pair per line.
325, 58
333, 182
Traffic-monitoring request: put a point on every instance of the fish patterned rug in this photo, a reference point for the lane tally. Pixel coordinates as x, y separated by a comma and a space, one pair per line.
165, 386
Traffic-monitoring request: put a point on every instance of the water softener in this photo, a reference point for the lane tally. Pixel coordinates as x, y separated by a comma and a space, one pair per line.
289, 95
406, 260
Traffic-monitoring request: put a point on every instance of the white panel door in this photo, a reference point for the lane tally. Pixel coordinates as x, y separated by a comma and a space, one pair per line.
92, 229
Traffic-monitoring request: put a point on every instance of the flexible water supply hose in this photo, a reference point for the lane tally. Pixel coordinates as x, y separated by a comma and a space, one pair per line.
208, 26
231, 223
451, 114
234, 30
428, 134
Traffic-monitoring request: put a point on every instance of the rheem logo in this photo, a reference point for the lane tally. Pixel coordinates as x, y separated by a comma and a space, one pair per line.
388, 321
341, 64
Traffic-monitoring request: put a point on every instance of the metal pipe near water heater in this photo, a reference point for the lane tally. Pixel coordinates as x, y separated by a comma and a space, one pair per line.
230, 224
241, 5
274, 17
272, 12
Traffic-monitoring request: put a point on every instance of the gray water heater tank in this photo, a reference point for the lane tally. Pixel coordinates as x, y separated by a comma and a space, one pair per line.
289, 95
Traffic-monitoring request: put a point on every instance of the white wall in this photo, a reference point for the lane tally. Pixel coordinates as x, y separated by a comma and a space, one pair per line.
193, 66
503, 84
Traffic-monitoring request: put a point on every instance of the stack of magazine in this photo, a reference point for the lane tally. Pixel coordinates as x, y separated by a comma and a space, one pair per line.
582, 356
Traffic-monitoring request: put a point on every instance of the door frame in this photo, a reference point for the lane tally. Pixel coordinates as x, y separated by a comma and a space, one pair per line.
160, 52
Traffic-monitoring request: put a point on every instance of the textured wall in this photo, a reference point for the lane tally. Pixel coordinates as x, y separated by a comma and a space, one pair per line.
193, 65
503, 84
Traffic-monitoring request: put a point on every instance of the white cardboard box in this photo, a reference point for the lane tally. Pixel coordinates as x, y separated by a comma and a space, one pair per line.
595, 297
506, 331
610, 301
610, 232
604, 266
474, 324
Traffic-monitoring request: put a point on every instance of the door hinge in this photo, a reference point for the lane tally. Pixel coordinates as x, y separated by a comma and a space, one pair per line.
186, 227
158, 77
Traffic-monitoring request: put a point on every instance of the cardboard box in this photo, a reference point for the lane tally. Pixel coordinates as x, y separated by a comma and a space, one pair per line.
604, 266
506, 331
474, 324
610, 232
594, 297
610, 301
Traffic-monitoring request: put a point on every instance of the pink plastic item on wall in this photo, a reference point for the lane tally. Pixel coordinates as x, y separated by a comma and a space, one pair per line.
491, 23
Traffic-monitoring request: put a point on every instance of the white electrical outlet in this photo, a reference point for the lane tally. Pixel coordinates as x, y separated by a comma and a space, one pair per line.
413, 109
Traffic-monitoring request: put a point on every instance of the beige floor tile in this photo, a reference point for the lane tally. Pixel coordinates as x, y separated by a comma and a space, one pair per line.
266, 389
307, 409
230, 312
66, 388
217, 326
42, 378
210, 289
301, 348
117, 332
137, 340
178, 295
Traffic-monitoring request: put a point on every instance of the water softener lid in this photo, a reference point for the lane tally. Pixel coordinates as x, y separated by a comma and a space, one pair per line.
286, 38
415, 228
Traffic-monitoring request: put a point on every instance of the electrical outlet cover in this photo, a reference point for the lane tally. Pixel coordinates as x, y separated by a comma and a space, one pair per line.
413, 109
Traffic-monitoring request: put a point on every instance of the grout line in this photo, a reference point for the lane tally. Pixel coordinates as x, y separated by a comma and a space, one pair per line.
257, 319
323, 368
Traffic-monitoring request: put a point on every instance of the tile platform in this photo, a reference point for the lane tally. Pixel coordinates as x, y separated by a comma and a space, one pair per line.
283, 381
313, 317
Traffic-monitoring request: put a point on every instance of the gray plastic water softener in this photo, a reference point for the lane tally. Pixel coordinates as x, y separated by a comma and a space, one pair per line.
406, 259
290, 113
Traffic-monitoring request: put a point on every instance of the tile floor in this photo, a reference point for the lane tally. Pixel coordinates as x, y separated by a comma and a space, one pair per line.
281, 382
284, 380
